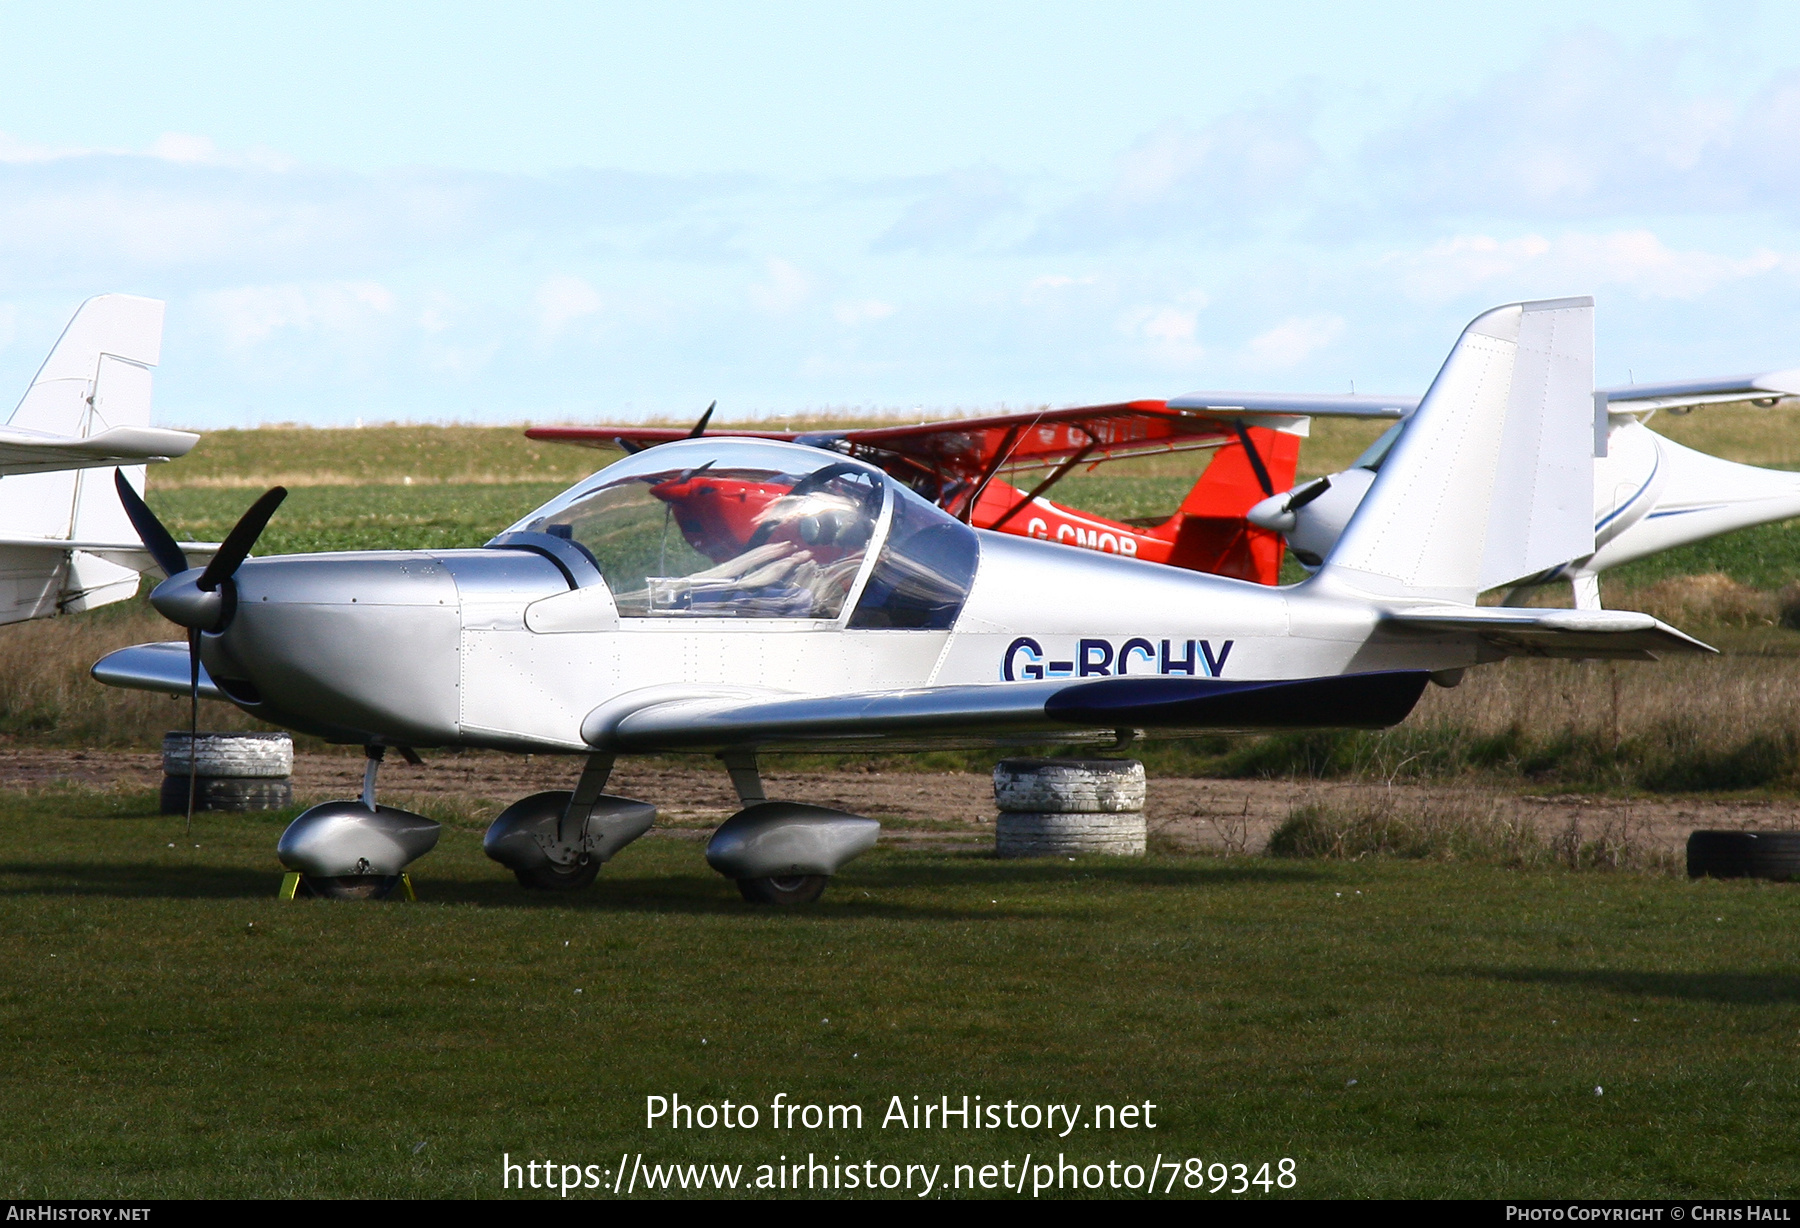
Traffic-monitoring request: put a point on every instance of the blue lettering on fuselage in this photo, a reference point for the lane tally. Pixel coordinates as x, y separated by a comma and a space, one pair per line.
1026, 659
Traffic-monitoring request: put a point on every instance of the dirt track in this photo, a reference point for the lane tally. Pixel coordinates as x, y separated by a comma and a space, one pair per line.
936, 808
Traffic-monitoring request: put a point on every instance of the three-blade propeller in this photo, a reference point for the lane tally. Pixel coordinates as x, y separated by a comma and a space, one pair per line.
205, 614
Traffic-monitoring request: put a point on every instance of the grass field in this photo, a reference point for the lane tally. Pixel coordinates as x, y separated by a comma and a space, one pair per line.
1396, 1028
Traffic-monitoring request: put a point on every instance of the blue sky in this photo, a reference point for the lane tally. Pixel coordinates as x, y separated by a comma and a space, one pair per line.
589, 212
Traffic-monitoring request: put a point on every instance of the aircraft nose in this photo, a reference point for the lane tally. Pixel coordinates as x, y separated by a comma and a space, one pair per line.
360, 645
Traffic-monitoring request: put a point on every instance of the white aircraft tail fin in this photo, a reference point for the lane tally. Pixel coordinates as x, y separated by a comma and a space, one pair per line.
96, 378
98, 375
1493, 478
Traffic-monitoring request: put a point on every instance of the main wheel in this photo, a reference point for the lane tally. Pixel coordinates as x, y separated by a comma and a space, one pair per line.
349, 887
783, 889
553, 877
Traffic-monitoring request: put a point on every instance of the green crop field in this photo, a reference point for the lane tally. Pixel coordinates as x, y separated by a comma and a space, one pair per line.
1394, 1028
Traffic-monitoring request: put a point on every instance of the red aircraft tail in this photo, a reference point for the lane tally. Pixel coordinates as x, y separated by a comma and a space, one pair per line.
1207, 533
1210, 533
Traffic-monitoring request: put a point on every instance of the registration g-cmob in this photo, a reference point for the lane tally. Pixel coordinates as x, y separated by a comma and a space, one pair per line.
738, 597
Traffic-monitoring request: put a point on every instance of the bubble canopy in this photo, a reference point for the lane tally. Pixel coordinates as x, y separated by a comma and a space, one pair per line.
732, 528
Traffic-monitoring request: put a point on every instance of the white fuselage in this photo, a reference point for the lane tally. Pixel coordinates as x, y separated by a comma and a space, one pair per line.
491, 648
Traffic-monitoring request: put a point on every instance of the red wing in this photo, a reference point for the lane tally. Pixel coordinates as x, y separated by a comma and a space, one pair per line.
962, 450
640, 436
958, 451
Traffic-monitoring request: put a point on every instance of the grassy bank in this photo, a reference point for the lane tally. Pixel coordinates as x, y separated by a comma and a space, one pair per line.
1396, 1028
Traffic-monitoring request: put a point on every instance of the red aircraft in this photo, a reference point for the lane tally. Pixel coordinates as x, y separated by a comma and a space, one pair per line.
959, 463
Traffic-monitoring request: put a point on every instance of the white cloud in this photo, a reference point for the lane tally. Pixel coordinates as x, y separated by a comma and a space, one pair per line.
1592, 126
12, 149
562, 299
252, 315
1293, 340
1182, 180
1051, 283
1576, 262
184, 148
960, 207
862, 313
1168, 333
787, 288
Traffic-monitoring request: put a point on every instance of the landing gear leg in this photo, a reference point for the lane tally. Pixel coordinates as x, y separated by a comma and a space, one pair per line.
371, 770
744, 776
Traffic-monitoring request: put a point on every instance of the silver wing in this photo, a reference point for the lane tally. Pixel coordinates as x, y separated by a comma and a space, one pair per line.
667, 719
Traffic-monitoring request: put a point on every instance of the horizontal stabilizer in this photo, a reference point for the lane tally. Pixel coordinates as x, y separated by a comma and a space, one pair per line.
153, 667
1571, 634
23, 451
999, 713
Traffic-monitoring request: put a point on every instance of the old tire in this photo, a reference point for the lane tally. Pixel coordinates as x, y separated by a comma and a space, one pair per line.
349, 887
1744, 854
1070, 835
264, 756
1069, 786
552, 877
784, 890
226, 793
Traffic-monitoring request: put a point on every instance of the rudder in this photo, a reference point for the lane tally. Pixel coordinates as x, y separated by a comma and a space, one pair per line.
1493, 477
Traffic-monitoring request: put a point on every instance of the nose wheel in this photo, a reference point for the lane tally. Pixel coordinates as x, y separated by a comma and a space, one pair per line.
348, 886
787, 890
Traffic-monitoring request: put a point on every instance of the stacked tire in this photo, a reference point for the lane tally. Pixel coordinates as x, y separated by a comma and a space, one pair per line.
234, 771
1744, 854
1068, 807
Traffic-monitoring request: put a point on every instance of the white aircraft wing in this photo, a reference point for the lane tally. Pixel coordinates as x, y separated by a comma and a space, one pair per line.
28, 451
1570, 634
986, 714
1764, 389
125, 554
1286, 410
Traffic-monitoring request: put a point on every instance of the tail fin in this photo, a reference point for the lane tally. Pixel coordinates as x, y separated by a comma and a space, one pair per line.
99, 373
1493, 479
97, 377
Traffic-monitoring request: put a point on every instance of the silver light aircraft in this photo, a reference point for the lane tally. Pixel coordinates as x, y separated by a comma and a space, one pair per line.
737, 597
